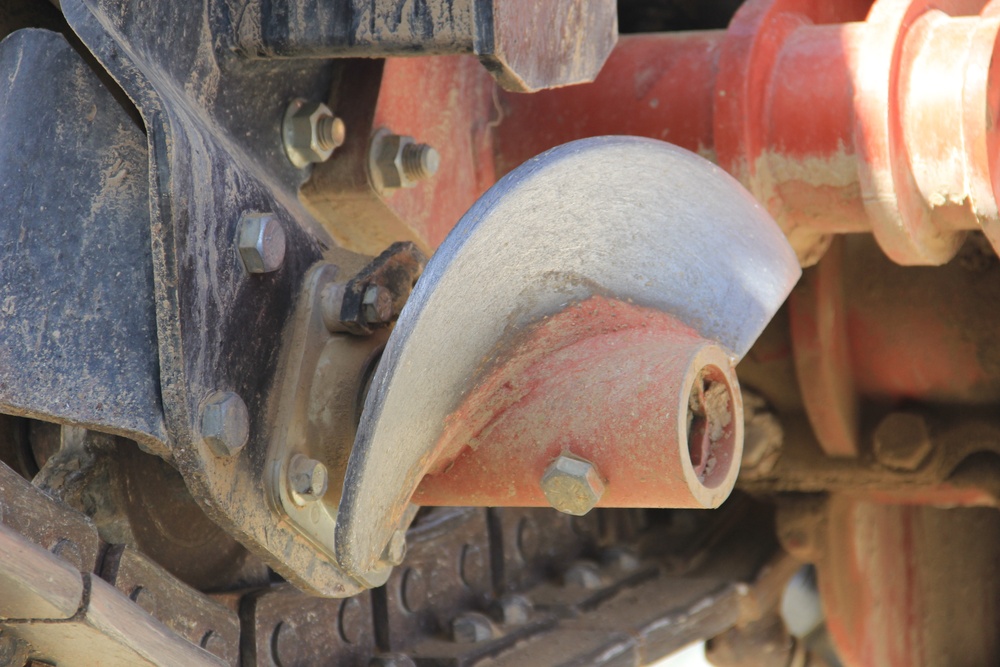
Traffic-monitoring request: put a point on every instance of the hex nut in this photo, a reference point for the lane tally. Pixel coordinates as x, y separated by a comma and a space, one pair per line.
308, 479
261, 242
311, 132
471, 628
902, 441
572, 485
397, 161
225, 423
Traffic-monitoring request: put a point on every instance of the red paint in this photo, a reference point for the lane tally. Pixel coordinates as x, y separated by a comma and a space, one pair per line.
605, 380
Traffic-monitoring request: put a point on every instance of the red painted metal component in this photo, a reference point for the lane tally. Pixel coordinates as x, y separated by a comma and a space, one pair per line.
639, 425
863, 327
909, 585
837, 124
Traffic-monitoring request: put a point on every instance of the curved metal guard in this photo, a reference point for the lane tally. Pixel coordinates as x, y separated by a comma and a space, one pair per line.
656, 248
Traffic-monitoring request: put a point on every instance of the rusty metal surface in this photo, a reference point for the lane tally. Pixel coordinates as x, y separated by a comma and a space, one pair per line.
500, 272
76, 247
526, 45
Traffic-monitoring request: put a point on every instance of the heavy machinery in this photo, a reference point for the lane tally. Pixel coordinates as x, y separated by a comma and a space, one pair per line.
473, 332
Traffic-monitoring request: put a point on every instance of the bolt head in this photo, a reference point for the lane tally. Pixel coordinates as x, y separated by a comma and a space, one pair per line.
301, 133
376, 305
225, 423
572, 485
308, 479
584, 574
395, 550
471, 628
512, 609
387, 159
261, 242
902, 441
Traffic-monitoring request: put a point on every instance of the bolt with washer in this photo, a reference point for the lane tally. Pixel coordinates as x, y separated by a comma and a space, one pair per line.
308, 479
397, 161
261, 242
311, 132
572, 485
225, 423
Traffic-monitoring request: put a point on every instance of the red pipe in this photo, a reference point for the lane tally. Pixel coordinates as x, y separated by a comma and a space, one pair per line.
836, 122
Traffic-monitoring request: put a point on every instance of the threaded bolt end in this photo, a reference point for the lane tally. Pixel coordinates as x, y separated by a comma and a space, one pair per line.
330, 132
420, 161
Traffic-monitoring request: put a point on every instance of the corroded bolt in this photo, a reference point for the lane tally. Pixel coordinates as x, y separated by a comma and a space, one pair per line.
376, 305
572, 485
311, 132
261, 242
399, 162
225, 423
584, 574
307, 479
395, 550
512, 609
471, 628
902, 441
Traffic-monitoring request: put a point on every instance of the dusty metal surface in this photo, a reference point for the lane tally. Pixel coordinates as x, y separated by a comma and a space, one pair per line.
184, 610
218, 153
76, 248
526, 45
532, 274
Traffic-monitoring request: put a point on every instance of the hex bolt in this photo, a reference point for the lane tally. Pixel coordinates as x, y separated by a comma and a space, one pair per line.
376, 305
584, 574
512, 609
225, 423
261, 242
392, 660
311, 132
471, 628
420, 161
395, 550
307, 479
572, 485
902, 441
397, 161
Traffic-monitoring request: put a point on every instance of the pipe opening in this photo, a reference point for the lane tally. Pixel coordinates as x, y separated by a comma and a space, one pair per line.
711, 439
